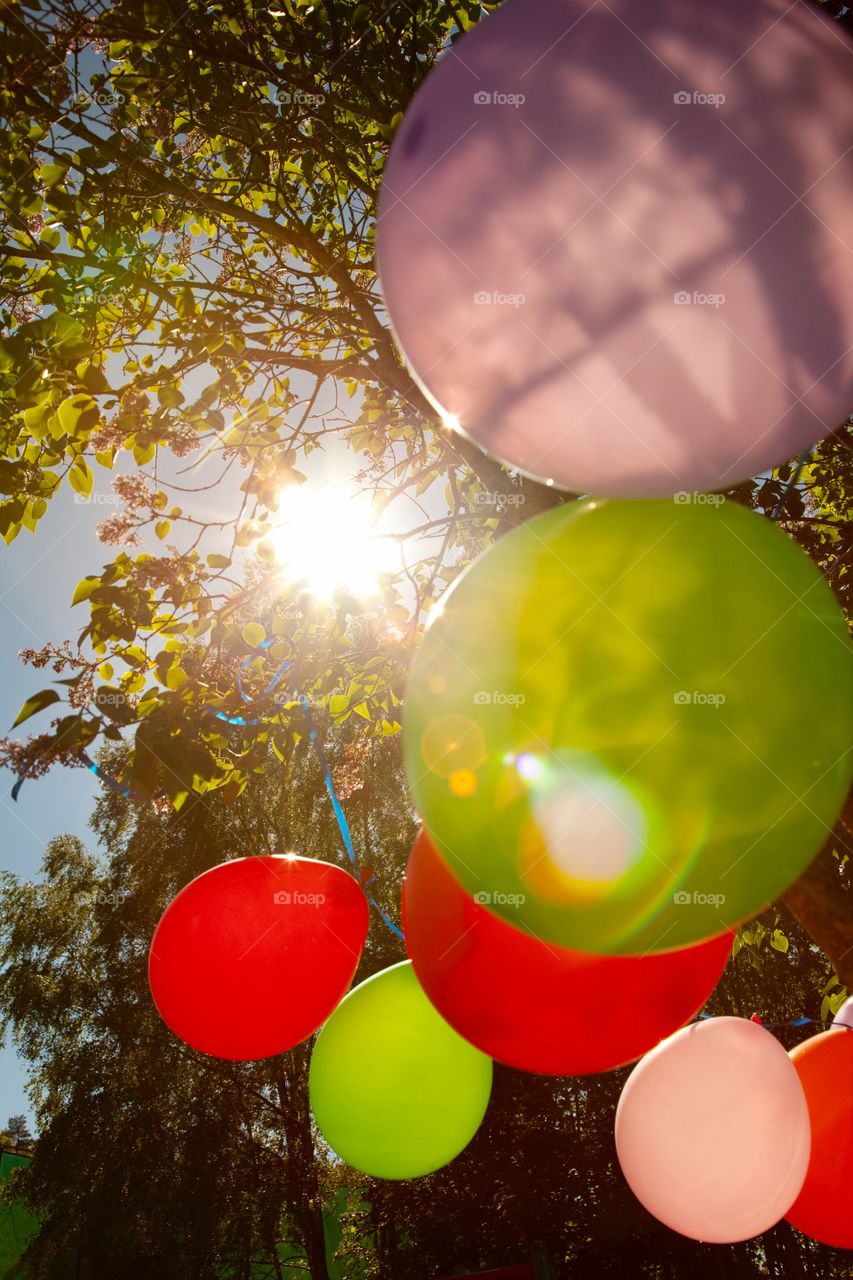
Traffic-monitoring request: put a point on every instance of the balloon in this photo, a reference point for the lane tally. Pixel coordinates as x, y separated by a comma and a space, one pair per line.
535, 1006
593, 224
604, 725
252, 956
822, 1210
712, 1131
395, 1091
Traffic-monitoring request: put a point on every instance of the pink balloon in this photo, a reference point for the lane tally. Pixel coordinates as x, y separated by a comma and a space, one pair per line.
616, 240
712, 1131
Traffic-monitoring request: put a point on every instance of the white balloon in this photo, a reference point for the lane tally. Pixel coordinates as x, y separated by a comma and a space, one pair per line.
713, 1132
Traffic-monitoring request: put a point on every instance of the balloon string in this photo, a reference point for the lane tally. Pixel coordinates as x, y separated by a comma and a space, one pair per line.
340, 817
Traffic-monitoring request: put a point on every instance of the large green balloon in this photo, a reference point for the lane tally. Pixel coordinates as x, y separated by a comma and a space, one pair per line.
628, 724
396, 1092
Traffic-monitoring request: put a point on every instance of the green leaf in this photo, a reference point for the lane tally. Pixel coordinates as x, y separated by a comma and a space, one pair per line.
52, 174
170, 397
84, 588
254, 635
93, 379
218, 562
338, 704
78, 413
162, 528
37, 702
111, 702
778, 941
185, 303
65, 335
80, 477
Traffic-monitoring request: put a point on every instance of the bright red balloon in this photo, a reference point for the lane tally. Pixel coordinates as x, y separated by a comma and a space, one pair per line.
823, 1210
252, 956
536, 1006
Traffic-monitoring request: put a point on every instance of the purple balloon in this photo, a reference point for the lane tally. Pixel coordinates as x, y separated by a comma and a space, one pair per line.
615, 239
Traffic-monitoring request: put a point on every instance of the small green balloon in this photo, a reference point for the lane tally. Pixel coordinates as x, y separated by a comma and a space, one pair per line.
628, 726
395, 1091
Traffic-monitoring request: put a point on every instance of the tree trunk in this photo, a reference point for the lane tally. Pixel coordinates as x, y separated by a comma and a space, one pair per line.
307, 1203
823, 904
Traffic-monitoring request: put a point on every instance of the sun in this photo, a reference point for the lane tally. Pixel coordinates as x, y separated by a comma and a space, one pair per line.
327, 536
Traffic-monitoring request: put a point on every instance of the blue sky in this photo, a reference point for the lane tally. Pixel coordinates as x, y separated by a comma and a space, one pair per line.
37, 578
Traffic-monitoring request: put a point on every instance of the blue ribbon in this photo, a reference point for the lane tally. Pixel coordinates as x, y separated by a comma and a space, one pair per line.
340, 816
795, 1022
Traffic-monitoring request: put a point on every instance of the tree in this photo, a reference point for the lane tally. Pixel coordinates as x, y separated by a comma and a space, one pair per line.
154, 1158
17, 1131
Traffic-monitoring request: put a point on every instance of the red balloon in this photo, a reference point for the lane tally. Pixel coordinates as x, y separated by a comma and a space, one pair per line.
822, 1210
536, 1006
252, 956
